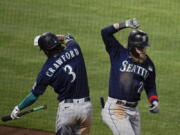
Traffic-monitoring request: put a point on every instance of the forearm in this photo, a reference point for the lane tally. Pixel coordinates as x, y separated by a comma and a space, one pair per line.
119, 26
151, 95
64, 39
108, 37
107, 32
27, 101
61, 38
110, 30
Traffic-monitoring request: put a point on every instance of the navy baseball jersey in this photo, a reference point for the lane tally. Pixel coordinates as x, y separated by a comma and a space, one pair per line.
66, 73
127, 78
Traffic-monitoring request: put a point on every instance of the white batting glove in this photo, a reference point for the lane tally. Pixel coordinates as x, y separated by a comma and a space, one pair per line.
154, 108
132, 23
15, 112
68, 37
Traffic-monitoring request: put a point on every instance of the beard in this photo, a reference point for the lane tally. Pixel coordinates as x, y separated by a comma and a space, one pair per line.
141, 59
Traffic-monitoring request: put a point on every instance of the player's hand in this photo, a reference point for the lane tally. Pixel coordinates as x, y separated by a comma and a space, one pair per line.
15, 112
154, 108
61, 38
132, 23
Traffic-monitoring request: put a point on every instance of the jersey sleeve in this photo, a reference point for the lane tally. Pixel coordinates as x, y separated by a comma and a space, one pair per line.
72, 44
112, 45
41, 83
150, 85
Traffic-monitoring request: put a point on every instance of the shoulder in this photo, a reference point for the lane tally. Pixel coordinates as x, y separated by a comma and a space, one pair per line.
118, 50
122, 50
72, 44
46, 67
150, 61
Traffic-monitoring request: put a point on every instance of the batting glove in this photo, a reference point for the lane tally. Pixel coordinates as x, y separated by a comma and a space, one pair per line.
15, 112
69, 37
154, 108
36, 40
132, 23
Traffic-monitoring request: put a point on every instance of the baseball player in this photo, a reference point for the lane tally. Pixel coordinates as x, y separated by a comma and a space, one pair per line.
65, 71
131, 71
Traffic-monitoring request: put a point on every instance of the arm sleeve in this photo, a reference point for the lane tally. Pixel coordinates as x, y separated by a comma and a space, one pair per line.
111, 43
42, 82
27, 101
72, 44
150, 86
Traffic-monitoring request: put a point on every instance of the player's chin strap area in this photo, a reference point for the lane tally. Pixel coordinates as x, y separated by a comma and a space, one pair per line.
123, 102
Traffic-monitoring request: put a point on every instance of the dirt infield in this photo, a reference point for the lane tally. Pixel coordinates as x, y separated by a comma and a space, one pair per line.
5, 130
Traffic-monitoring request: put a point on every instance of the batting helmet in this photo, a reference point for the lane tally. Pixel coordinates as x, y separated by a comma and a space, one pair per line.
137, 38
49, 43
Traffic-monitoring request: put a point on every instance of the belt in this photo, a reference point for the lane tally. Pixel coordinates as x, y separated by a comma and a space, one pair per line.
81, 100
126, 103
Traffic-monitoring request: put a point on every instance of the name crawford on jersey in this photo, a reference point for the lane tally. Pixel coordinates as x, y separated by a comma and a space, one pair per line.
127, 67
70, 54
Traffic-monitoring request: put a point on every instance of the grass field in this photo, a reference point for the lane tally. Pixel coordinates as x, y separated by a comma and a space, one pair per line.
20, 62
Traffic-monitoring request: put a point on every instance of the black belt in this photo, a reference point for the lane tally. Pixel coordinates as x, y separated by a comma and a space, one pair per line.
86, 99
126, 103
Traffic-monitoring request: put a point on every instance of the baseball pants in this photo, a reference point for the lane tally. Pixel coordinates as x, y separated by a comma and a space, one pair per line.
122, 120
74, 118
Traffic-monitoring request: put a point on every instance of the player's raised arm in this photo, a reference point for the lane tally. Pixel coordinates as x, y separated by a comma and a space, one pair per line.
107, 32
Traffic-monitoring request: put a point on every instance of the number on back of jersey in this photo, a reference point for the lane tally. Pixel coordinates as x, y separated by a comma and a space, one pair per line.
68, 69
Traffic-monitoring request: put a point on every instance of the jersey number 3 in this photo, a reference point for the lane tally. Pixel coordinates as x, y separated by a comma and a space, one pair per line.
69, 70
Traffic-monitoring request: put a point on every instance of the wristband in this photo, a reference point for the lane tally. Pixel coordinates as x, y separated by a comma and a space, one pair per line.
119, 26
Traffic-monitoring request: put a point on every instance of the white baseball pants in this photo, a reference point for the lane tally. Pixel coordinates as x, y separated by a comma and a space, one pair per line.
74, 118
121, 120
